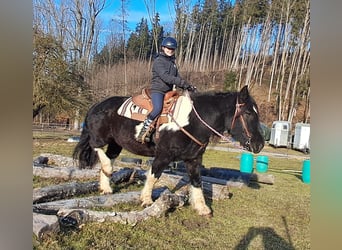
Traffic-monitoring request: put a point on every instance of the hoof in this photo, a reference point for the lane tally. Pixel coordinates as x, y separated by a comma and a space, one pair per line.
209, 216
146, 202
106, 191
205, 211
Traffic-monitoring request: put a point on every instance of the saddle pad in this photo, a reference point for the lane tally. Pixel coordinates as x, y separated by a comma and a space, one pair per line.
128, 108
179, 112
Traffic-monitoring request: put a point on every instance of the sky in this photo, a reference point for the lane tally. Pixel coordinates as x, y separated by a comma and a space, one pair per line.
136, 10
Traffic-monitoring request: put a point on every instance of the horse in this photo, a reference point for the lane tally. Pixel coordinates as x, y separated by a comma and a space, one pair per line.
235, 112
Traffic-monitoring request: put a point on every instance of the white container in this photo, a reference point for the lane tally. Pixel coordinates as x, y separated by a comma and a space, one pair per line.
280, 134
301, 140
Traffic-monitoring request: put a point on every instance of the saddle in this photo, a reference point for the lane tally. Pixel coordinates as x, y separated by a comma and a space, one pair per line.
175, 112
143, 100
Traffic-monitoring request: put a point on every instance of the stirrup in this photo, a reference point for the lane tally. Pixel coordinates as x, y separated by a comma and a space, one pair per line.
146, 137
140, 137
146, 131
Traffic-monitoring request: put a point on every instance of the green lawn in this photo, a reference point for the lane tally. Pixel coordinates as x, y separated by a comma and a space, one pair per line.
256, 217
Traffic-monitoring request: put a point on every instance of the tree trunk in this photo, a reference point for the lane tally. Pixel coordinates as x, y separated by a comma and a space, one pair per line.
274, 66
37, 110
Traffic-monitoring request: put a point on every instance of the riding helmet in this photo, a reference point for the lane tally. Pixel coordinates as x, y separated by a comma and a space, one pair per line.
169, 42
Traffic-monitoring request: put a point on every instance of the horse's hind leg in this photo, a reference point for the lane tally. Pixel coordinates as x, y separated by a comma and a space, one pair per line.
113, 151
196, 193
106, 167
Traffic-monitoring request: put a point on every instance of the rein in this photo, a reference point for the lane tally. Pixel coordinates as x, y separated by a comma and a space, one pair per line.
188, 134
208, 126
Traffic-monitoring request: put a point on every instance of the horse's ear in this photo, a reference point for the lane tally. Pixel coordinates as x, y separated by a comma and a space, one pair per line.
244, 94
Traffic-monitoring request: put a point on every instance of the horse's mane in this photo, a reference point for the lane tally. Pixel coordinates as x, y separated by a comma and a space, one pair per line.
212, 95
215, 93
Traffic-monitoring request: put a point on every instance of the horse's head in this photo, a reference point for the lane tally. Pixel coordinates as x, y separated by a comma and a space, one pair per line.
245, 126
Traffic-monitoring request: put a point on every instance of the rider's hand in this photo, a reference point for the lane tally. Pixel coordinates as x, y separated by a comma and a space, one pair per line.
191, 88
187, 86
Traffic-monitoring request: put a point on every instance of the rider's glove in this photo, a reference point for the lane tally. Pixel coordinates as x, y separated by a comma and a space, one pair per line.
187, 86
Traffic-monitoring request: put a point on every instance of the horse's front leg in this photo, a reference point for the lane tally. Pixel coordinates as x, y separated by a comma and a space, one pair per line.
159, 164
196, 193
146, 193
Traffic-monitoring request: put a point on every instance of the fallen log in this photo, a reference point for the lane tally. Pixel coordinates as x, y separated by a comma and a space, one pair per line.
230, 183
211, 190
263, 178
68, 173
236, 175
62, 191
232, 175
100, 201
65, 173
43, 224
78, 217
56, 160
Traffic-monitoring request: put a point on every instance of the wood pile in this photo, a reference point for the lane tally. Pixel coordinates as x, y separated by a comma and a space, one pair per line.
56, 206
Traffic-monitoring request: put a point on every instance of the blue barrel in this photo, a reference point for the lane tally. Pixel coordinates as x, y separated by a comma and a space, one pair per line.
246, 162
306, 171
262, 163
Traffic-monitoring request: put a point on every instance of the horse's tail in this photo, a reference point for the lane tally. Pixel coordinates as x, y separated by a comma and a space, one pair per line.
83, 152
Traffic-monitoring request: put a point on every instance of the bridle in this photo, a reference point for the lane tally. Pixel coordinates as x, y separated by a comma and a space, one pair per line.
238, 113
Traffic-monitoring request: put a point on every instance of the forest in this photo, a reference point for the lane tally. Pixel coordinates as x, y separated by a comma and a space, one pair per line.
222, 46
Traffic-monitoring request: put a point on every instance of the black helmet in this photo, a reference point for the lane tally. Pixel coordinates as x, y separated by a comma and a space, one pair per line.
169, 42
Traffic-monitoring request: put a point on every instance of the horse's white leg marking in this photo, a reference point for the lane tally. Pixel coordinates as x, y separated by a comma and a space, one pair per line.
106, 170
146, 193
198, 202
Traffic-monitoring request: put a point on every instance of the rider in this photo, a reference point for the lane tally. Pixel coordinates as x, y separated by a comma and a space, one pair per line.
164, 76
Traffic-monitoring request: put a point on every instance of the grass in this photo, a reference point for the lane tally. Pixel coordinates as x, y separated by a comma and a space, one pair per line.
256, 217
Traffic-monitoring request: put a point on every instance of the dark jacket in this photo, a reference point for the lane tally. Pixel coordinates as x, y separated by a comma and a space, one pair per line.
165, 74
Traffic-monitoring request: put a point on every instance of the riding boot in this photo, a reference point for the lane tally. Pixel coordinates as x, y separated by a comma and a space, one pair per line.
145, 132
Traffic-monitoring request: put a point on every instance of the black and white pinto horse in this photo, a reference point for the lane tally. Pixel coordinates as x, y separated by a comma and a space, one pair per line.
235, 112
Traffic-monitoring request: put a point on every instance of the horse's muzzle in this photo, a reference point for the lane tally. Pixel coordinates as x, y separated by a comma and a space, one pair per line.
247, 145
253, 147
